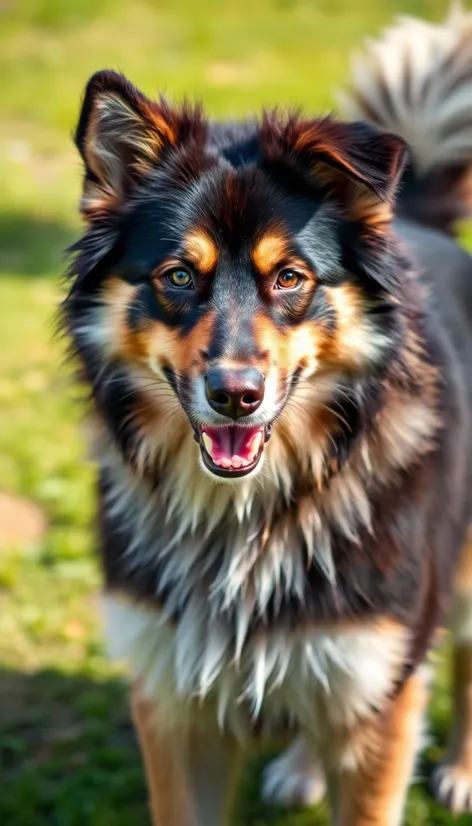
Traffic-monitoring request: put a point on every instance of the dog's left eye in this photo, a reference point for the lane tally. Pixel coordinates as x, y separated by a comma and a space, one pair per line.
288, 280
180, 278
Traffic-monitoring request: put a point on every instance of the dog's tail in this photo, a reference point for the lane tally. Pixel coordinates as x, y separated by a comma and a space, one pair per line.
416, 81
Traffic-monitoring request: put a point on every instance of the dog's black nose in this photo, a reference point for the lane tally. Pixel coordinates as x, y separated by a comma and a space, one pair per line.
234, 393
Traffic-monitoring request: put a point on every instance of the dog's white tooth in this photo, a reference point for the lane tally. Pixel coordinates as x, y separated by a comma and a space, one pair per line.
207, 442
256, 443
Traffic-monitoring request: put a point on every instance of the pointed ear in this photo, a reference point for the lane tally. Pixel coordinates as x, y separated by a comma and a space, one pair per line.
355, 161
120, 135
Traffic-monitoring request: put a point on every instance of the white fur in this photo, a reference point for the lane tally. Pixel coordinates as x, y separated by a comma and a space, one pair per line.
452, 786
317, 678
294, 778
297, 777
95, 332
427, 70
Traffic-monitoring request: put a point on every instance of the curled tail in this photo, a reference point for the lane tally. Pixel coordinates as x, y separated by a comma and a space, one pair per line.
416, 81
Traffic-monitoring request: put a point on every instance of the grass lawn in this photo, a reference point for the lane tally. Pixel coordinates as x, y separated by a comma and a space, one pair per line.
67, 752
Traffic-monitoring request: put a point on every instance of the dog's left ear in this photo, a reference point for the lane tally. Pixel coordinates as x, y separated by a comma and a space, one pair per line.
336, 154
121, 136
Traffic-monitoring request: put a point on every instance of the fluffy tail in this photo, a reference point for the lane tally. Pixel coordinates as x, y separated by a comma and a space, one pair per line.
416, 81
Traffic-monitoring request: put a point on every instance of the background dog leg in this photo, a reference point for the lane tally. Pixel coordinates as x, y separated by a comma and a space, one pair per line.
295, 778
373, 792
190, 779
452, 782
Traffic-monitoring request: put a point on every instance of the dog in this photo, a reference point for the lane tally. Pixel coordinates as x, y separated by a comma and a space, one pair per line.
274, 322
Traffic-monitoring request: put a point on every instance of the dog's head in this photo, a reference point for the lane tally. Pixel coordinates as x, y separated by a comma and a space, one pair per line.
231, 277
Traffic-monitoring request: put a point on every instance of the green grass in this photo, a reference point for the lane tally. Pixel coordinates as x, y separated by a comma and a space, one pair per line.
67, 752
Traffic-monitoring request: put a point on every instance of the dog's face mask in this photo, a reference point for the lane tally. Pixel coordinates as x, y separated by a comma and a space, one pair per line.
231, 277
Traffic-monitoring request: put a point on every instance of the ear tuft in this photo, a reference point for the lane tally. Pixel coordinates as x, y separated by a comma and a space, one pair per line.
121, 135
333, 153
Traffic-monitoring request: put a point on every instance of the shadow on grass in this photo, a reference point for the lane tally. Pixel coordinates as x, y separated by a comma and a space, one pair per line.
30, 245
69, 757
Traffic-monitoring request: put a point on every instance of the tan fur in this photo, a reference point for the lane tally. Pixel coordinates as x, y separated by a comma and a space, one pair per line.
370, 210
355, 343
269, 252
308, 140
155, 345
372, 792
290, 349
272, 252
119, 297
190, 780
201, 251
167, 784
189, 348
358, 202
463, 580
315, 349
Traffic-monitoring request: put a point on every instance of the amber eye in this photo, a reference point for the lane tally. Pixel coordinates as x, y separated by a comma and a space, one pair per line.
288, 280
180, 278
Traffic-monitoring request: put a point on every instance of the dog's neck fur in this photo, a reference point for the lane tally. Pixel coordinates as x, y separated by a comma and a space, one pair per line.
268, 529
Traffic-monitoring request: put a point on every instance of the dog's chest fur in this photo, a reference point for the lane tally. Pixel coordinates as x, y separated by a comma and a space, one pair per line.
316, 680
222, 615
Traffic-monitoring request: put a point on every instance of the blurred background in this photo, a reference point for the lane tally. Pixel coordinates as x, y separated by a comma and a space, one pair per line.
67, 751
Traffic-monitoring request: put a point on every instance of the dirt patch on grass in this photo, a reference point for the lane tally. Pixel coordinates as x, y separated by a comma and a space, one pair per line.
21, 522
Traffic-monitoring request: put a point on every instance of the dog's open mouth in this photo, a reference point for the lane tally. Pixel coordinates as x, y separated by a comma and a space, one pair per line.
232, 451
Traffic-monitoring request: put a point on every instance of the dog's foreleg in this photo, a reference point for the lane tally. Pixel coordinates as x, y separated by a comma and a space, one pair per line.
452, 782
191, 776
377, 762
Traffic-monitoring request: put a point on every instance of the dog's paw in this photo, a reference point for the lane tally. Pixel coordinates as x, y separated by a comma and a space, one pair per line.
294, 779
452, 787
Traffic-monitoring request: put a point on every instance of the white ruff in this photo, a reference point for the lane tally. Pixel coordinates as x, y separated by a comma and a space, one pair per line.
316, 679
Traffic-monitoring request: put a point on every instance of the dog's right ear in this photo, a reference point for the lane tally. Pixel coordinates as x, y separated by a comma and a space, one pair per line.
355, 162
121, 135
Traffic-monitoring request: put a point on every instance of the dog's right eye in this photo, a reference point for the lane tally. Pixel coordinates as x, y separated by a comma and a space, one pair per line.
180, 278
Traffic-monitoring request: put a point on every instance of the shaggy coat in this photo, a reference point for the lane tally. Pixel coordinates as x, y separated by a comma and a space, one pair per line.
278, 360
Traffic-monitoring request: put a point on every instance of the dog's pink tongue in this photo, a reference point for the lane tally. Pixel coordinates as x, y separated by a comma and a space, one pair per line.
232, 446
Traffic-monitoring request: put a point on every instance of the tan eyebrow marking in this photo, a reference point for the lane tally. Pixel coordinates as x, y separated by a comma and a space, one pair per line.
201, 250
269, 251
